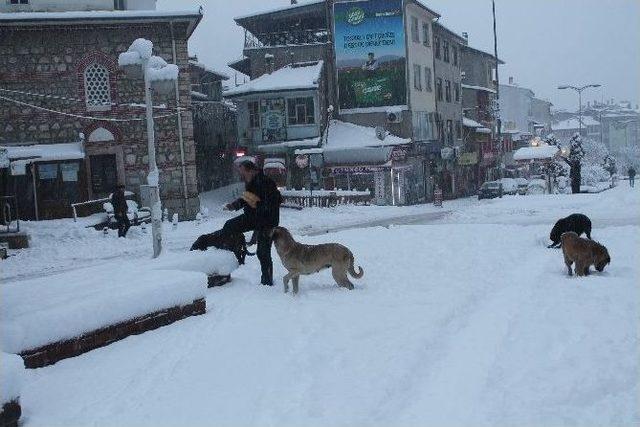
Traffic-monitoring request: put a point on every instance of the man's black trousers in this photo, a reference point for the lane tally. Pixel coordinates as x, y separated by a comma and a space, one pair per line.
243, 224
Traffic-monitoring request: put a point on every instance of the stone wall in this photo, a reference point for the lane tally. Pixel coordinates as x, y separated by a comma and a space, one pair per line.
50, 60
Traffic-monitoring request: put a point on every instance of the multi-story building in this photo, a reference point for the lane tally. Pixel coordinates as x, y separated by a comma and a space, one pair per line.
447, 47
565, 129
214, 127
373, 69
620, 128
478, 159
59, 78
521, 111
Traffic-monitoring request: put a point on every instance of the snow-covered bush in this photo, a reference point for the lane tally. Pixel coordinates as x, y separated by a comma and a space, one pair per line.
11, 374
593, 174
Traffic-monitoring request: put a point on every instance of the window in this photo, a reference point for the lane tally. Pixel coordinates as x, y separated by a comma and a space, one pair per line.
415, 35
450, 131
436, 43
96, 87
447, 90
19, 2
439, 88
425, 34
417, 77
455, 55
456, 88
118, 5
427, 79
445, 50
254, 114
458, 129
301, 111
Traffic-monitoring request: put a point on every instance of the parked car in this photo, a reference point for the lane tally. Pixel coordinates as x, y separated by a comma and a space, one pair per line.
509, 185
523, 184
490, 190
537, 186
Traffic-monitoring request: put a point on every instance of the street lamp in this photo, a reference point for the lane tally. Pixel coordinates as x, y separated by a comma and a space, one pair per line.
579, 90
138, 62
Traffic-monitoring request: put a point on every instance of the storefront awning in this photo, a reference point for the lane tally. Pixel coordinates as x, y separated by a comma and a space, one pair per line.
44, 152
358, 156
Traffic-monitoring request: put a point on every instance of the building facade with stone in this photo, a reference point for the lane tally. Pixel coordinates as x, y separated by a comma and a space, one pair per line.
60, 84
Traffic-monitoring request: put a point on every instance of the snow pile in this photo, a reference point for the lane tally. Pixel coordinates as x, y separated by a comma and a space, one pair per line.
344, 135
210, 262
591, 175
45, 152
41, 311
11, 377
303, 75
166, 72
542, 152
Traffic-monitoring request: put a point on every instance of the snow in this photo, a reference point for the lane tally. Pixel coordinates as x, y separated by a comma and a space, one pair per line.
463, 317
483, 130
536, 153
571, 124
210, 262
11, 377
344, 135
481, 88
274, 165
45, 152
303, 75
307, 142
200, 95
167, 72
208, 70
280, 9
95, 14
470, 123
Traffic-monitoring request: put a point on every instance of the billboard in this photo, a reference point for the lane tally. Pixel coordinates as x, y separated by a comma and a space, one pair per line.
370, 53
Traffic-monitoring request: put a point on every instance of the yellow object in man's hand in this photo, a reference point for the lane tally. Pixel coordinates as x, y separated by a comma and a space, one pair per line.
251, 199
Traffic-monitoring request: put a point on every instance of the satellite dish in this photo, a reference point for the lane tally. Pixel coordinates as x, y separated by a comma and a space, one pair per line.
381, 133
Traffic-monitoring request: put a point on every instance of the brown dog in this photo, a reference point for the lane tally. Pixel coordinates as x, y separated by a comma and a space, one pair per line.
301, 259
584, 253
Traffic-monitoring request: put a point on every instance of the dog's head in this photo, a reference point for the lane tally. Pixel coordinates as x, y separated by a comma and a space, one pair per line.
601, 257
280, 235
556, 231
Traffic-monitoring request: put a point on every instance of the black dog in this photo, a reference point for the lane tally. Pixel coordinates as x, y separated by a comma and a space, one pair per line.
577, 223
233, 242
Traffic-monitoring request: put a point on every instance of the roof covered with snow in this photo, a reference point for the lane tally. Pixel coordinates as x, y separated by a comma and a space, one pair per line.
298, 76
206, 69
481, 88
45, 152
343, 135
289, 8
536, 153
466, 122
571, 124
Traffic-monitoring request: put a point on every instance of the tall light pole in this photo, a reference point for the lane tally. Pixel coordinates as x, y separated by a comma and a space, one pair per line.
579, 90
161, 77
498, 120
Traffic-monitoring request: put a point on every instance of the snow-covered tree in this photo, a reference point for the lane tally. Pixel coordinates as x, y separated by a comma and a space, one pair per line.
552, 140
574, 160
609, 164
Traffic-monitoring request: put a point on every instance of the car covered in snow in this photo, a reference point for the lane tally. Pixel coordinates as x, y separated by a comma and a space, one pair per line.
509, 185
536, 186
523, 184
490, 190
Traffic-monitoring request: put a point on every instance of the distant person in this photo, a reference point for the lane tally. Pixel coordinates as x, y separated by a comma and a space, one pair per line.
261, 203
120, 209
371, 64
632, 176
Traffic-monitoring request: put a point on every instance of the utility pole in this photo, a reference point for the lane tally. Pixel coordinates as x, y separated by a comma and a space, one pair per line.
497, 101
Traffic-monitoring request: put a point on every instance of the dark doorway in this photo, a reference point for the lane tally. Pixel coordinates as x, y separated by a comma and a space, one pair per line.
104, 174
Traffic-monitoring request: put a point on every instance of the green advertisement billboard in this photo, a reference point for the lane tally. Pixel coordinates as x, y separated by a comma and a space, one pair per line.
370, 53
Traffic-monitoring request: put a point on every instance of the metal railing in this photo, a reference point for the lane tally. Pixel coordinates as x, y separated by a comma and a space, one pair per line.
286, 38
9, 214
74, 206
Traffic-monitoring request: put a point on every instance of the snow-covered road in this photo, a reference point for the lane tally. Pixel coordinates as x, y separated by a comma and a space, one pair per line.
466, 321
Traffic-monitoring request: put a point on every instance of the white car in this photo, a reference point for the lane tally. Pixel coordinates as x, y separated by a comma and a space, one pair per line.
509, 185
523, 184
537, 186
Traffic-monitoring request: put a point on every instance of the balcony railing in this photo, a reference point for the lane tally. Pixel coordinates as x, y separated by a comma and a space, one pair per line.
285, 38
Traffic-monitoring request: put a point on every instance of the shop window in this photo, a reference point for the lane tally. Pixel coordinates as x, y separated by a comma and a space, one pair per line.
58, 181
97, 88
301, 111
254, 114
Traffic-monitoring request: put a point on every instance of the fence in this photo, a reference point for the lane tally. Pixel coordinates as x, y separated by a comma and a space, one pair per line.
326, 199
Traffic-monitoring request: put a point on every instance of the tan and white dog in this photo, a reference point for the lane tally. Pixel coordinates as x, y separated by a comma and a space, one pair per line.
300, 259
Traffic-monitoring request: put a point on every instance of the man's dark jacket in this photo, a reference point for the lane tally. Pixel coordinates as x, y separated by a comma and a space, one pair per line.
267, 211
119, 203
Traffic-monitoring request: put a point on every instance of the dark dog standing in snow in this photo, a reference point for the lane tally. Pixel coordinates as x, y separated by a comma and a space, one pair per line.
578, 223
233, 242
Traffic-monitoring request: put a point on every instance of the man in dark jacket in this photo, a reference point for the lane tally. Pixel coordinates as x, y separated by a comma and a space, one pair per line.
120, 209
632, 176
261, 203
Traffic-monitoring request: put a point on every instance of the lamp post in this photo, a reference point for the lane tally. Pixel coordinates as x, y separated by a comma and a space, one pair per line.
138, 62
579, 90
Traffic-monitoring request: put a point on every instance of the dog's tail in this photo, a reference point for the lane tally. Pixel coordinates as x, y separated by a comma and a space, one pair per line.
352, 270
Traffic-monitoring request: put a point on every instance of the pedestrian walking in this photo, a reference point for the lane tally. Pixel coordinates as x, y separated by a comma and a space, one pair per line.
120, 209
261, 204
632, 176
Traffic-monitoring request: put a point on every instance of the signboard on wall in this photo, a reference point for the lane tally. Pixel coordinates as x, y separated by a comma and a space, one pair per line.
370, 53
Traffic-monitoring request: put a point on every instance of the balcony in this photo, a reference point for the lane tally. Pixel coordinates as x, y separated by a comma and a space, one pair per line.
285, 38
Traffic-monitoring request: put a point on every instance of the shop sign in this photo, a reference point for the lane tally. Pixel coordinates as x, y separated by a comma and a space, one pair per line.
468, 159
342, 170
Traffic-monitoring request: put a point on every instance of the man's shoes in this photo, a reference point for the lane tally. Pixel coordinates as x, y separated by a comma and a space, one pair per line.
267, 282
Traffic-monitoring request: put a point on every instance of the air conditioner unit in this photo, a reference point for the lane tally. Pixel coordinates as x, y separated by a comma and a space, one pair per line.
394, 116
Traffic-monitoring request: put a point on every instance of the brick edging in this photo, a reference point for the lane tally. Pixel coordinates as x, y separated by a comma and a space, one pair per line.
54, 352
218, 280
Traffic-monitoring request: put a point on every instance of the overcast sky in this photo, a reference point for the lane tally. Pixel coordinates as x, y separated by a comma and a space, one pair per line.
543, 42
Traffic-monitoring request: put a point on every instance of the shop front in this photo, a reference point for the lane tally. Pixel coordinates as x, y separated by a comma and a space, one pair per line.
467, 174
